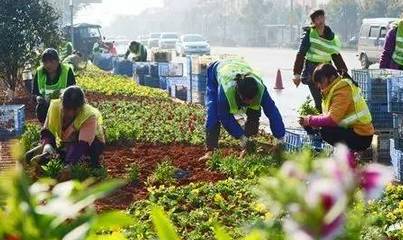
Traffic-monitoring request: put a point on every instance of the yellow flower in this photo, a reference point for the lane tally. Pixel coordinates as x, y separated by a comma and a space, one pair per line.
268, 216
195, 191
218, 198
260, 207
391, 216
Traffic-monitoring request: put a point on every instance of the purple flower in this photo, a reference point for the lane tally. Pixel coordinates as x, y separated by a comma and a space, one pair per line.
373, 179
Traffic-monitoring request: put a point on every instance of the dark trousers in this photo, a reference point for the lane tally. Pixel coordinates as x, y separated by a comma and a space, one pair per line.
41, 109
306, 78
251, 129
92, 153
354, 142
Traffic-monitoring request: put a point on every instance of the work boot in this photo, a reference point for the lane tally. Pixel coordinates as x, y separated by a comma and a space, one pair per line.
207, 156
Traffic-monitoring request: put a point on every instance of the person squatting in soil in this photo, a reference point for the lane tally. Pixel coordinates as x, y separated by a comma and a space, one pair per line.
318, 45
50, 79
233, 87
72, 130
346, 118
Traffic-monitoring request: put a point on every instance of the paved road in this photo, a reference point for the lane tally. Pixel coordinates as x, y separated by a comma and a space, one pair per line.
267, 61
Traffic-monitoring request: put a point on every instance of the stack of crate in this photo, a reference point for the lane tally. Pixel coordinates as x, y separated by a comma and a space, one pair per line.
12, 121
374, 86
395, 106
147, 74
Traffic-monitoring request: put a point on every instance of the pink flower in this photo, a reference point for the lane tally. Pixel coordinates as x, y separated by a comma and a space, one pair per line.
373, 179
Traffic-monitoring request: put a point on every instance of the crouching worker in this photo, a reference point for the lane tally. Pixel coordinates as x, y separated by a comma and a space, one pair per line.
234, 88
346, 117
72, 130
50, 79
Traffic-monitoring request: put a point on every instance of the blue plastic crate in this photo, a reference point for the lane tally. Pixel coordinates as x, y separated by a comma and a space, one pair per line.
373, 83
395, 94
123, 67
296, 139
180, 92
163, 69
381, 118
152, 81
142, 68
103, 61
12, 121
172, 81
163, 82
397, 161
199, 82
154, 70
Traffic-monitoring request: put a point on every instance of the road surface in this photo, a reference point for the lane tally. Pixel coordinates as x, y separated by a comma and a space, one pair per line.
267, 61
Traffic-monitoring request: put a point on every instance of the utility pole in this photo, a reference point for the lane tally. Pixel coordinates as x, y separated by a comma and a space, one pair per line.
72, 22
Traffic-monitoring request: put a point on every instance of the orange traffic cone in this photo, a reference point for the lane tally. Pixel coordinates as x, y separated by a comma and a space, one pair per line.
279, 81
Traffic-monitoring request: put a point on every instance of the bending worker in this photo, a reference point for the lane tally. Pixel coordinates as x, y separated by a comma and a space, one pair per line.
319, 45
138, 51
49, 80
234, 88
72, 130
346, 117
392, 55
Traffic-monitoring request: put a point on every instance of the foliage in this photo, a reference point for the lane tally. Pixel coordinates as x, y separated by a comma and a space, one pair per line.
96, 80
133, 173
164, 173
342, 13
30, 137
196, 208
52, 168
25, 25
46, 210
251, 166
388, 212
307, 108
83, 171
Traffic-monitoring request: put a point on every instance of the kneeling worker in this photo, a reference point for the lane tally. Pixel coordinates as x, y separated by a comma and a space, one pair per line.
72, 129
346, 117
234, 88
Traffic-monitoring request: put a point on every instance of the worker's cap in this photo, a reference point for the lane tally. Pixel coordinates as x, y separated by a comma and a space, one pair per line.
133, 43
50, 54
316, 13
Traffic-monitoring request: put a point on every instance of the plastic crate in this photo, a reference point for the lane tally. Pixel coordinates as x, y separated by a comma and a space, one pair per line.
296, 139
199, 82
381, 118
123, 67
172, 81
103, 61
373, 83
180, 92
395, 94
381, 147
12, 121
398, 131
397, 161
154, 69
152, 81
142, 68
163, 69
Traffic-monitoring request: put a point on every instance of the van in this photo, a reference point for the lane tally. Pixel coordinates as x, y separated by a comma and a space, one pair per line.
372, 38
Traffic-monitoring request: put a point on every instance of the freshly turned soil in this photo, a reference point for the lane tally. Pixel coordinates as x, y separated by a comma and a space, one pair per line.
118, 159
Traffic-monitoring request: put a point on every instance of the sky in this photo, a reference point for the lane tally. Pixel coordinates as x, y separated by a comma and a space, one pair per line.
105, 12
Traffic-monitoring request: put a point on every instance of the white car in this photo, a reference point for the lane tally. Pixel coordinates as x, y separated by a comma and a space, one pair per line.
168, 40
154, 40
192, 44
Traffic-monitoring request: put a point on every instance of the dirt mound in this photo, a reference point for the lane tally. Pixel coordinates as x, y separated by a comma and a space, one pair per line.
185, 157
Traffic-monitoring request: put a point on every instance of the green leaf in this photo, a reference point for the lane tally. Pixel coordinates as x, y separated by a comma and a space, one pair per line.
221, 234
255, 235
112, 220
162, 224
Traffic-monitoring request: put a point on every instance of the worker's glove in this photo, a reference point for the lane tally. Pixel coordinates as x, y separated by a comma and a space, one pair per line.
49, 150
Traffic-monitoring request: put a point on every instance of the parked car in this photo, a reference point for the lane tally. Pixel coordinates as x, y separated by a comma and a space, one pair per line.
192, 44
154, 40
372, 38
168, 40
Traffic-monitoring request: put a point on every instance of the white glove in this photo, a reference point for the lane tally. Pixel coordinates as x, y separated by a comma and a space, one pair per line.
49, 149
244, 141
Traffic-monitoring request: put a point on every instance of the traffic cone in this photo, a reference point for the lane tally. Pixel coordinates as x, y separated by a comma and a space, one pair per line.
279, 81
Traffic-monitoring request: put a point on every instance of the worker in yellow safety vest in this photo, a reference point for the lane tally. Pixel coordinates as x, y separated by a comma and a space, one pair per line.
72, 130
392, 55
346, 117
50, 79
319, 44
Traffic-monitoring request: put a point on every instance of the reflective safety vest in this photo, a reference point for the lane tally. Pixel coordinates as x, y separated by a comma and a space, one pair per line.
361, 114
55, 119
49, 90
226, 73
321, 50
398, 53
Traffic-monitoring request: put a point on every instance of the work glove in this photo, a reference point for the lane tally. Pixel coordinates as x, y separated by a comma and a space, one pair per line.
49, 150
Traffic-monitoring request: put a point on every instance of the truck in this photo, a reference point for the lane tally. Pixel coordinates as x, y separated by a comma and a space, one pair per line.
85, 36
